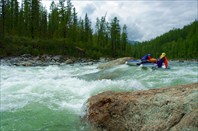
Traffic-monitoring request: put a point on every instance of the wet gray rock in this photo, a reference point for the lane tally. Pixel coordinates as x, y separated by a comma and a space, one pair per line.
69, 61
23, 64
171, 108
113, 63
26, 55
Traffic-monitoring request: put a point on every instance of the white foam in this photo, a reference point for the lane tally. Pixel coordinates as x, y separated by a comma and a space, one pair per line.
60, 88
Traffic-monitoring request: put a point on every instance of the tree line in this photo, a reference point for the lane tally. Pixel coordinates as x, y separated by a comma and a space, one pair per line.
29, 28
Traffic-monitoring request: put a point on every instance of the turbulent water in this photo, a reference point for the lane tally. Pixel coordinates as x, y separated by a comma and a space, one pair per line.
52, 98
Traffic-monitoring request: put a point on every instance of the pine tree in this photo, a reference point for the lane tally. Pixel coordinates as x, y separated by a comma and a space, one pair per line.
115, 36
16, 17
27, 18
124, 38
81, 30
7, 18
68, 16
62, 16
35, 5
21, 22
74, 26
2, 19
53, 24
43, 23
101, 32
88, 30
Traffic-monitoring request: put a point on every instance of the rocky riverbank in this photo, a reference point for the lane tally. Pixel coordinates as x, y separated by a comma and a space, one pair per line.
45, 60
171, 108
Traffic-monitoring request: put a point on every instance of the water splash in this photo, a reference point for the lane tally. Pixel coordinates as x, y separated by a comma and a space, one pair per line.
62, 90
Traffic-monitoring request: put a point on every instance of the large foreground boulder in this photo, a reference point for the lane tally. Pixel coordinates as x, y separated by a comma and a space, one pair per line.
172, 108
113, 63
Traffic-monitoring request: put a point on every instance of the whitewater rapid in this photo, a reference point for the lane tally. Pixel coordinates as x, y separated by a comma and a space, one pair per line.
63, 90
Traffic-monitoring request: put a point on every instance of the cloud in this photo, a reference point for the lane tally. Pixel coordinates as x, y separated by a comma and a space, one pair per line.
89, 9
145, 19
134, 32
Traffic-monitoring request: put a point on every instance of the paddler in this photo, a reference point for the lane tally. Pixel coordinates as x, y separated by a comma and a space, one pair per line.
147, 58
162, 59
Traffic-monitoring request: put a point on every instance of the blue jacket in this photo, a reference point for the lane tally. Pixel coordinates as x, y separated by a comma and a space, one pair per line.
146, 57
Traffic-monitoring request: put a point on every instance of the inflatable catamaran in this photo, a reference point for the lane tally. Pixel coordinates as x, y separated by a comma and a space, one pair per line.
140, 64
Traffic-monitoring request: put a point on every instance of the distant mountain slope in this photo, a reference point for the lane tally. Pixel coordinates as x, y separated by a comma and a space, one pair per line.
132, 42
177, 43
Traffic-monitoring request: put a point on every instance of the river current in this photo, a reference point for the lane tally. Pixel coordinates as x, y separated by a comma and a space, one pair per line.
52, 98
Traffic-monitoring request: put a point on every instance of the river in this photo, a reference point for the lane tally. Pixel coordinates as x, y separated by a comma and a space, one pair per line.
52, 98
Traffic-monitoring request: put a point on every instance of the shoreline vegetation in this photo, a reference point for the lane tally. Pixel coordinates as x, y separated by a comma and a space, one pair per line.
30, 29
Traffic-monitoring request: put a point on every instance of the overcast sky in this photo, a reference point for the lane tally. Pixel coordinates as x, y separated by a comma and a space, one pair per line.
145, 19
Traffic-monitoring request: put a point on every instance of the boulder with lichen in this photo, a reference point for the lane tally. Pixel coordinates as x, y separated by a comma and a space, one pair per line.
170, 108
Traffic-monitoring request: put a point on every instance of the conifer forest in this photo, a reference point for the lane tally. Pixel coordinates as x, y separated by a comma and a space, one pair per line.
29, 28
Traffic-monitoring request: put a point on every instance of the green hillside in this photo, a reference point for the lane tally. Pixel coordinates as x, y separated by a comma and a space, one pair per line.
30, 29
177, 44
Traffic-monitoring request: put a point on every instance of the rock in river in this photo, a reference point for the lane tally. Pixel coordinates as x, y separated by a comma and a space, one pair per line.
169, 108
113, 63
